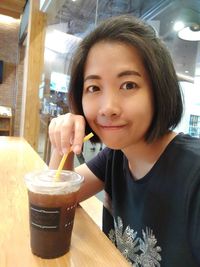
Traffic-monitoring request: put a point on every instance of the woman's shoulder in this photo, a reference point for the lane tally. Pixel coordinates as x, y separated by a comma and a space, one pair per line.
103, 161
186, 143
183, 153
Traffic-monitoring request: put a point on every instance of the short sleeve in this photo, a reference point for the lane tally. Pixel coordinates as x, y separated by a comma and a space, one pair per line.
98, 164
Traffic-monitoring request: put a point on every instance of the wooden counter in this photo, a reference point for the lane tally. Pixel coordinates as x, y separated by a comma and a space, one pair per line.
90, 247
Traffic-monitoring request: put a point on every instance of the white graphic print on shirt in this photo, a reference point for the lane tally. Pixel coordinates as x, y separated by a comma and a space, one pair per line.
142, 252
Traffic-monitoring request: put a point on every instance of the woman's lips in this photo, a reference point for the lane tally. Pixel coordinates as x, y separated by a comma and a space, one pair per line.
111, 127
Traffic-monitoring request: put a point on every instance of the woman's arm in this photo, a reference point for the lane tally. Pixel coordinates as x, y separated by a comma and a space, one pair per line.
91, 185
67, 132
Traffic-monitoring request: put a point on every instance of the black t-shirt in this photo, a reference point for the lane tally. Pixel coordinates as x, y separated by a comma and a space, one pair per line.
154, 221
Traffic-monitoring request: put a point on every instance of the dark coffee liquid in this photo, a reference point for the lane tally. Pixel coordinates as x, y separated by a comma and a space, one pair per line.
51, 223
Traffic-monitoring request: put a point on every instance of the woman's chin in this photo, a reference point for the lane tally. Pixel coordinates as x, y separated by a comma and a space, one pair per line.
112, 145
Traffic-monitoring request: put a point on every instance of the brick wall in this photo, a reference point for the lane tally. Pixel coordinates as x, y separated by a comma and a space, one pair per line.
10, 89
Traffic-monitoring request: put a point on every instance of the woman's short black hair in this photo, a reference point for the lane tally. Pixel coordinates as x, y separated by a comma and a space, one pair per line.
167, 97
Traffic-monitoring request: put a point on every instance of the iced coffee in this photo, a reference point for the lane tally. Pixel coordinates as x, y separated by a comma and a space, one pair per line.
52, 207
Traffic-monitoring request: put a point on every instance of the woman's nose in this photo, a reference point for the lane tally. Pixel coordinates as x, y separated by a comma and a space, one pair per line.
110, 105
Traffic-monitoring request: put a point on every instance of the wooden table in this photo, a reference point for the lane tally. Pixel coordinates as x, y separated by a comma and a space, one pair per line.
90, 247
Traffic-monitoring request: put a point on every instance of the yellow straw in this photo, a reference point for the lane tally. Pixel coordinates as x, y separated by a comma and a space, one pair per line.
86, 138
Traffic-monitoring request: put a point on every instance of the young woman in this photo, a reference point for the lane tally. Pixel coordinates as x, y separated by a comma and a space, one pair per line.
124, 89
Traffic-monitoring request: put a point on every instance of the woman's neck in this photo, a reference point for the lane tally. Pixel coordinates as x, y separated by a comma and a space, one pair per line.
143, 156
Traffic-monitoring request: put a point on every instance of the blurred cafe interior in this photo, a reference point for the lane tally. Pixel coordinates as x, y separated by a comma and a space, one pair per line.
37, 40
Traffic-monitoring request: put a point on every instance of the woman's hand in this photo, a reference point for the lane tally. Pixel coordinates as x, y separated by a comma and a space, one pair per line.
67, 131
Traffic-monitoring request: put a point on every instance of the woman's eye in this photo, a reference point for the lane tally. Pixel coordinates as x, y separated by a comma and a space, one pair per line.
92, 88
128, 85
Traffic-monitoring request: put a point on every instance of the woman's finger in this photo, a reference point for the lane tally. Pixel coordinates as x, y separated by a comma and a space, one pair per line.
79, 133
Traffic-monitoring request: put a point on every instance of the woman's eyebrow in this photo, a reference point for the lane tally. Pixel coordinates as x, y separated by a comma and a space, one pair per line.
92, 77
121, 74
128, 72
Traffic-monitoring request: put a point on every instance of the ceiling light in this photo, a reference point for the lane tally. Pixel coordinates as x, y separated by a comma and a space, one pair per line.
179, 25
189, 35
191, 20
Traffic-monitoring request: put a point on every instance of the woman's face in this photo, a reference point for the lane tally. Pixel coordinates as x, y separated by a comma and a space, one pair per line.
117, 96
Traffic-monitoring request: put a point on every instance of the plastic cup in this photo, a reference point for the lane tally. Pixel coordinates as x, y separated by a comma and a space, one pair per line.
52, 205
